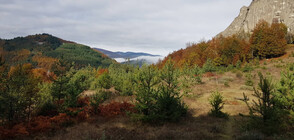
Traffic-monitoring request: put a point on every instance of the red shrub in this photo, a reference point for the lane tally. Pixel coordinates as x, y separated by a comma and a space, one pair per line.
101, 71
39, 124
83, 115
83, 101
208, 74
16, 130
115, 108
61, 118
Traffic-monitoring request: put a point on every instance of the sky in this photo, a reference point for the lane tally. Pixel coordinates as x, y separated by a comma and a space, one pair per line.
152, 26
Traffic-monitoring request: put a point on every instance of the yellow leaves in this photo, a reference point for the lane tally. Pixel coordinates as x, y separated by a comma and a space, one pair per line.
15, 70
21, 55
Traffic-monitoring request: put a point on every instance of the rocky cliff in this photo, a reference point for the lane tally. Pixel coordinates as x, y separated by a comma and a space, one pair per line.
281, 11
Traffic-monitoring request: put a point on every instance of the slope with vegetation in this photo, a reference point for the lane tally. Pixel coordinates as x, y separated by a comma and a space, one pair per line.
226, 88
267, 41
44, 50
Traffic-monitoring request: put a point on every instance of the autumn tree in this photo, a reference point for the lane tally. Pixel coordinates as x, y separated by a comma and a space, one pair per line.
233, 49
268, 40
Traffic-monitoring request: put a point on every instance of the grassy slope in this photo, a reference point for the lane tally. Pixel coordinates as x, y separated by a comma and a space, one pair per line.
197, 125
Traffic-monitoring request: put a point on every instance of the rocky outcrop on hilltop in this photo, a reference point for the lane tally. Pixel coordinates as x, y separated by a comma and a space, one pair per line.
272, 11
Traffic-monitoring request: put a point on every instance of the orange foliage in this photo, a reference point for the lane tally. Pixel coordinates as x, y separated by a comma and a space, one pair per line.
44, 75
101, 71
44, 61
115, 108
222, 50
16, 130
83, 115
21, 55
60, 118
269, 40
46, 123
27, 68
39, 124
208, 74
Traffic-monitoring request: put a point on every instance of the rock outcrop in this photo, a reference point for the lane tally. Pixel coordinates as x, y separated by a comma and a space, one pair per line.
278, 11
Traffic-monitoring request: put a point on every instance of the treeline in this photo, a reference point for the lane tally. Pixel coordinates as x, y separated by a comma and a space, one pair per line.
267, 41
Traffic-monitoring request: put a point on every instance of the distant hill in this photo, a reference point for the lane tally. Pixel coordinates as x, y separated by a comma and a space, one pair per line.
134, 57
42, 50
124, 54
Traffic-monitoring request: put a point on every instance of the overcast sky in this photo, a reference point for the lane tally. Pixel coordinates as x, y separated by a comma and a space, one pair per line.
152, 26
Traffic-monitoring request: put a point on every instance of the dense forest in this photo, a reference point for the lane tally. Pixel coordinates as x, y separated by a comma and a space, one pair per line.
44, 84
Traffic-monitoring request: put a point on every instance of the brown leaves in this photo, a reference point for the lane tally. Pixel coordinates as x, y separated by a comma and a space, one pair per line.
115, 108
44, 61
269, 41
223, 50
44, 75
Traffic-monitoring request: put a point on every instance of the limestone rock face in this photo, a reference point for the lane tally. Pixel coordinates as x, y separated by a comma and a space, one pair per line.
278, 11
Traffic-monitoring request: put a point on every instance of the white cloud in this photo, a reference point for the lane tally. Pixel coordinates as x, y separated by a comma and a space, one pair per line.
148, 59
151, 26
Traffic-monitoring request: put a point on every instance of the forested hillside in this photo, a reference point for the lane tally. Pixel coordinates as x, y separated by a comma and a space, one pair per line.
44, 50
266, 41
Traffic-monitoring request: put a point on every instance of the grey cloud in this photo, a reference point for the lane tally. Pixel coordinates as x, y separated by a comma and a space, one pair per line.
153, 26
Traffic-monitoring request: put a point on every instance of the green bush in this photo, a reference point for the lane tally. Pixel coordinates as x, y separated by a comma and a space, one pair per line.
238, 64
209, 66
264, 113
226, 83
158, 98
285, 95
103, 81
123, 78
247, 68
171, 108
249, 80
196, 74
45, 105
216, 101
239, 75
146, 94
